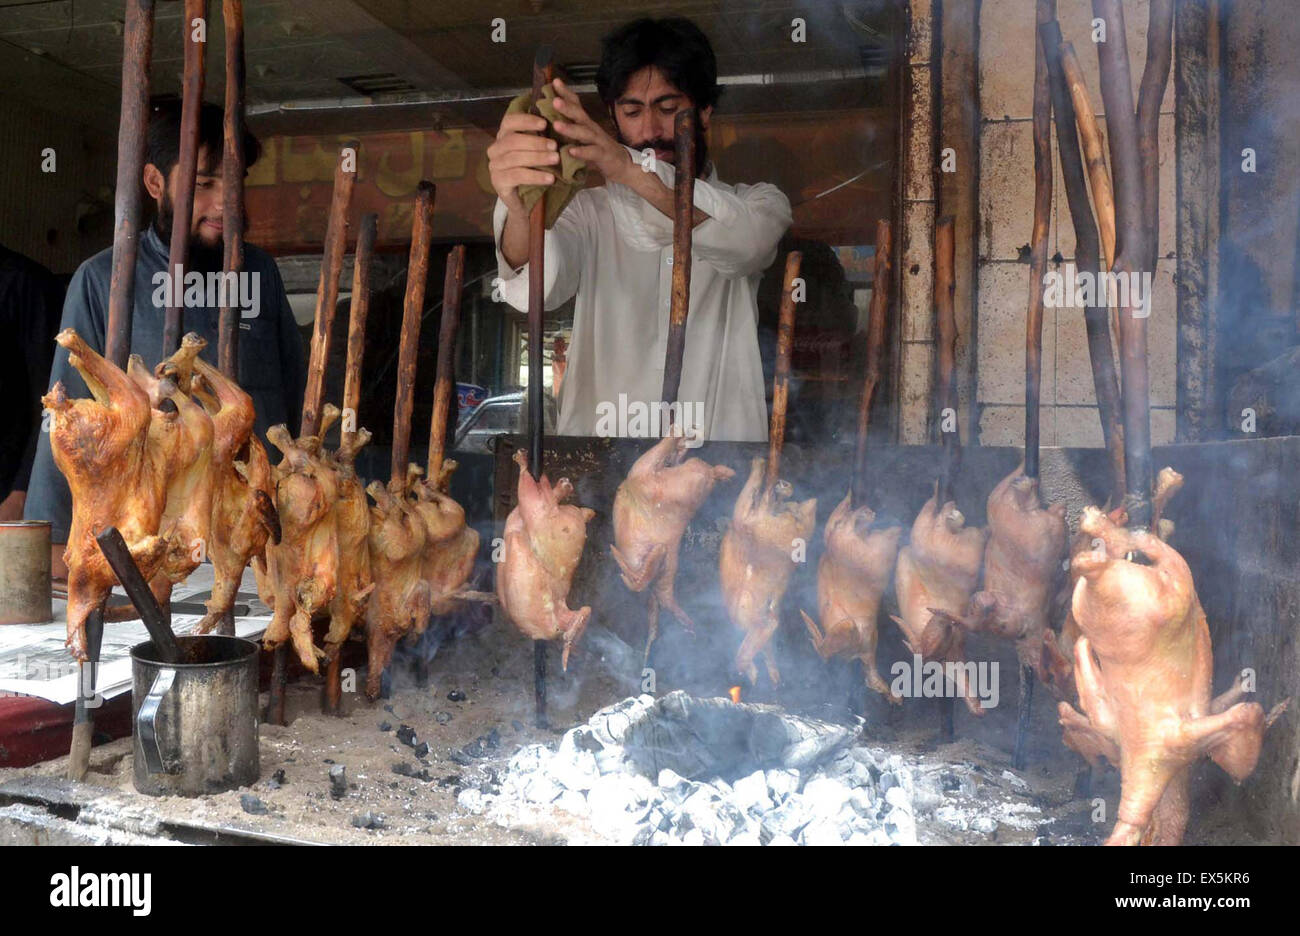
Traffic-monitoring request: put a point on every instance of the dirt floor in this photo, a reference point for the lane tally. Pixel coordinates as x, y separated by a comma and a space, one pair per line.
477, 710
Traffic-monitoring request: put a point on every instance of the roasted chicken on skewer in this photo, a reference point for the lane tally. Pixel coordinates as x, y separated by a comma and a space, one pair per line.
400, 603
859, 558
105, 437
652, 509
756, 562
1143, 667
187, 513
243, 505
1022, 564
544, 538
450, 546
938, 571
352, 528
852, 576
303, 567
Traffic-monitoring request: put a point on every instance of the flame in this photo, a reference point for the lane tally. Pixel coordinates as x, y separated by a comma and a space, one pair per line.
734, 692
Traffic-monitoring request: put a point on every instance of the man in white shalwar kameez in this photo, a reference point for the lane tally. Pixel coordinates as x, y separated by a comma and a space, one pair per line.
611, 248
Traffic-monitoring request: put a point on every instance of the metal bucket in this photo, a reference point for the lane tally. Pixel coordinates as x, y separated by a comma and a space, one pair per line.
25, 573
195, 723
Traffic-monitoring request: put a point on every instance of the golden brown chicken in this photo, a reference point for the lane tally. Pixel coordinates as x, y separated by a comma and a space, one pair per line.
303, 567
101, 446
544, 538
401, 599
1022, 565
652, 509
450, 546
937, 574
352, 526
186, 449
243, 507
851, 579
1168, 483
758, 554
1143, 667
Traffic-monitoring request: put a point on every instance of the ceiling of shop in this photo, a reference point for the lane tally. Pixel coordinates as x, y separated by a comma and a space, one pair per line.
317, 57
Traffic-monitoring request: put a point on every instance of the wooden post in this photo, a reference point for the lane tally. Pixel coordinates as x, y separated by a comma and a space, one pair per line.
877, 314
232, 183
1042, 136
945, 250
331, 702
187, 166
1087, 252
444, 384
781, 381
327, 288
543, 73
683, 227
417, 277
137, 50
1131, 254
232, 208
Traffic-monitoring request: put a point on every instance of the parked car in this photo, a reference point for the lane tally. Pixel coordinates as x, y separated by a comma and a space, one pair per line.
497, 416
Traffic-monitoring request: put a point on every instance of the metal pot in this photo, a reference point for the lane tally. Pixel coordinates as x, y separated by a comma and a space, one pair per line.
25, 573
195, 721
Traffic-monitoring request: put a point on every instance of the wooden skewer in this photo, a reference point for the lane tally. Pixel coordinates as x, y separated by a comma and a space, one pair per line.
136, 54
358, 312
1042, 134
543, 74
683, 227
1151, 90
880, 282
1094, 147
1131, 253
945, 252
781, 382
1087, 252
183, 209
417, 276
445, 383
327, 289
331, 701
327, 295
232, 183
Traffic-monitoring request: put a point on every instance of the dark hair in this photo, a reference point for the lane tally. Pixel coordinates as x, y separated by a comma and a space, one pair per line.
675, 46
163, 145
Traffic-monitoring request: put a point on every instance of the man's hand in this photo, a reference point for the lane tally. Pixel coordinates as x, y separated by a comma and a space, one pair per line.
514, 159
517, 156
594, 146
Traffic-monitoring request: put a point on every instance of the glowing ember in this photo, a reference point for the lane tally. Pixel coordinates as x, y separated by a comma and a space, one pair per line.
734, 692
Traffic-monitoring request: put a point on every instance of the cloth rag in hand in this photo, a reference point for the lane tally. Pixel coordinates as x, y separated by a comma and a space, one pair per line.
572, 171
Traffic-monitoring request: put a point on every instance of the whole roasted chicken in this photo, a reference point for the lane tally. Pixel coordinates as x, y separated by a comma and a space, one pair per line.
652, 509
757, 557
243, 506
1168, 483
352, 527
544, 538
937, 574
400, 603
303, 567
851, 579
101, 446
450, 546
184, 445
1022, 564
1143, 667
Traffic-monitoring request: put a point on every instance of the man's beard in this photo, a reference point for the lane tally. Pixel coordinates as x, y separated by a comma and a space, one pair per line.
669, 145
201, 257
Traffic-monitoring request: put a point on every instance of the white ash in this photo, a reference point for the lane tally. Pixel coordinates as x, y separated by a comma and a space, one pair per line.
589, 790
